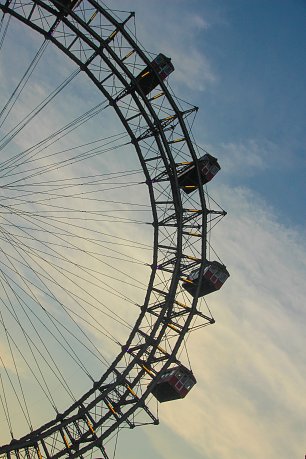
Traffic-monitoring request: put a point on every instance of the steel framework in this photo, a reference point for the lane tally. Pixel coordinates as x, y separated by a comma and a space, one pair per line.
86, 36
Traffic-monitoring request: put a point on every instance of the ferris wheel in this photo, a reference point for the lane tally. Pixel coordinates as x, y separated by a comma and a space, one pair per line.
105, 260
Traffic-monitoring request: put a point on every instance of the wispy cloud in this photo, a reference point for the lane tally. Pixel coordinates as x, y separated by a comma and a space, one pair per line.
193, 69
253, 156
244, 159
250, 366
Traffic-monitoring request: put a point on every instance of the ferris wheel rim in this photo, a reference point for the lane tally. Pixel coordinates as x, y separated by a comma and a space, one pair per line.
62, 419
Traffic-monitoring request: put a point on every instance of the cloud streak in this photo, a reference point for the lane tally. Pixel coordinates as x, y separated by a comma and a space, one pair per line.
250, 366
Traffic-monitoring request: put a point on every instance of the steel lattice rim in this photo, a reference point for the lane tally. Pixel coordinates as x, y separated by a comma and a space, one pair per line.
141, 347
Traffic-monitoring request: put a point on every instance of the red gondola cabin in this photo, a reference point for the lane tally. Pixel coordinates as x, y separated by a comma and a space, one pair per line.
147, 79
188, 179
214, 276
173, 384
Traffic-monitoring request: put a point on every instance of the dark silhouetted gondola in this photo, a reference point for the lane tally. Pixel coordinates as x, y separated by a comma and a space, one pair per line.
214, 276
173, 384
147, 79
188, 179
69, 4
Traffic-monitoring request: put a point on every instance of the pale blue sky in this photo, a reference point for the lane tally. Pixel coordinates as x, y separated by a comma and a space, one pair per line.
243, 63
254, 85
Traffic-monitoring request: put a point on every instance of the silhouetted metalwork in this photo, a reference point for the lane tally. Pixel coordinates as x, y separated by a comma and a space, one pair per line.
212, 279
146, 109
173, 384
188, 178
159, 69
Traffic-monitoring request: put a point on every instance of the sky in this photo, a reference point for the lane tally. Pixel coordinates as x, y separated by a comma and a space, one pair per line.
243, 64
